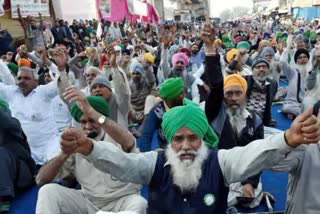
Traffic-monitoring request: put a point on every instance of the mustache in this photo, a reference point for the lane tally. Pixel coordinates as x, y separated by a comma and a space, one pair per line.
234, 103
187, 153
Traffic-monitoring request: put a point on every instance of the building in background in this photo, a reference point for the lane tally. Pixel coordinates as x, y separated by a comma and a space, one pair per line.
307, 9
198, 7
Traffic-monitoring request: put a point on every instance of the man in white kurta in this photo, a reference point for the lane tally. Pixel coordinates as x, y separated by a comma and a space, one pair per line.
31, 105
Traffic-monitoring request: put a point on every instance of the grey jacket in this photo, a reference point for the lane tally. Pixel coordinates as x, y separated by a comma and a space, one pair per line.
303, 166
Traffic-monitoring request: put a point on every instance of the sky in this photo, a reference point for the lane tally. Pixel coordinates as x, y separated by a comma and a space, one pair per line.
217, 6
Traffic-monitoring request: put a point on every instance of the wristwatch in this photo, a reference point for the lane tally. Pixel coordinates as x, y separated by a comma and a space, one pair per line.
102, 119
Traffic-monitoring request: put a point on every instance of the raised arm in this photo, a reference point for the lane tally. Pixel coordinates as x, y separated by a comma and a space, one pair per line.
107, 157
213, 74
72, 64
121, 88
5, 74
121, 136
164, 64
240, 163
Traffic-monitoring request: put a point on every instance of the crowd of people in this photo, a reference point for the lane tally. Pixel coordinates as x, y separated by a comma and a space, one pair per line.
80, 104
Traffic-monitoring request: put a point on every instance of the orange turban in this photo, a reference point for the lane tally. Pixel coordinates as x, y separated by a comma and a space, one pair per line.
24, 62
235, 79
273, 42
231, 53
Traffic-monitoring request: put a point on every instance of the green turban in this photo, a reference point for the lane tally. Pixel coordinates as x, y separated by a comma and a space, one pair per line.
13, 67
243, 44
3, 105
98, 103
307, 33
278, 35
192, 117
225, 38
229, 45
171, 88
284, 39
313, 36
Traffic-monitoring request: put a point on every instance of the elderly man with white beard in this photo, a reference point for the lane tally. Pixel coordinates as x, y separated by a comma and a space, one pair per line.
247, 126
189, 177
275, 70
296, 87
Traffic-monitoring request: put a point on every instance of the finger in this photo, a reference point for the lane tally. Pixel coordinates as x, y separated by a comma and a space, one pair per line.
68, 144
311, 140
72, 94
70, 88
68, 149
310, 129
74, 98
310, 121
304, 116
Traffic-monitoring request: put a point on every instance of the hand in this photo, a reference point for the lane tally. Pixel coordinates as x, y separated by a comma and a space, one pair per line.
165, 38
23, 49
111, 56
243, 51
82, 54
248, 191
208, 34
75, 141
305, 129
72, 94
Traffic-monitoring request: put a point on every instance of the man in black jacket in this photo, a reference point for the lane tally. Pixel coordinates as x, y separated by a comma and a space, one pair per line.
261, 91
226, 109
16, 165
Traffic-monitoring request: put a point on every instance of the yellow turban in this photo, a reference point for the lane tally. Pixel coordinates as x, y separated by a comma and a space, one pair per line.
218, 41
231, 54
264, 42
235, 79
149, 57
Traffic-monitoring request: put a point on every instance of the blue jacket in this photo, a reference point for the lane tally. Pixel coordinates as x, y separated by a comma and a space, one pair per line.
209, 197
153, 123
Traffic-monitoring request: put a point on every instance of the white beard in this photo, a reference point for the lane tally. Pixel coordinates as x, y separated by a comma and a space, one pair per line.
187, 173
304, 69
238, 122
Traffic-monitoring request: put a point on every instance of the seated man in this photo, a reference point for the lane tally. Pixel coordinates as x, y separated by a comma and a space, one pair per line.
99, 190
31, 105
246, 126
189, 177
239, 61
172, 93
296, 75
141, 85
179, 63
261, 91
303, 167
16, 164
